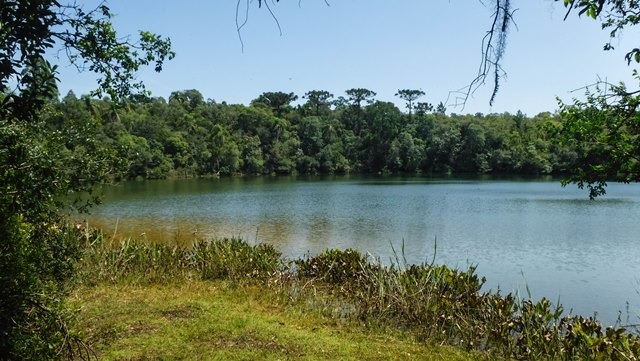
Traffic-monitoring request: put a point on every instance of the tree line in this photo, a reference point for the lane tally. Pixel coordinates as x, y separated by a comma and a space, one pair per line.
186, 136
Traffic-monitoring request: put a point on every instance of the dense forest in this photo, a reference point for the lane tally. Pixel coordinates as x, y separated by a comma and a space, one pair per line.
189, 136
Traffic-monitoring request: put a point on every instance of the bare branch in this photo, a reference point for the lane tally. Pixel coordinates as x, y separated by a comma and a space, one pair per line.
492, 51
240, 26
274, 17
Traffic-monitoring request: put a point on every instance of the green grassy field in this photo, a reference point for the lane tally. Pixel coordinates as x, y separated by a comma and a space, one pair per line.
214, 320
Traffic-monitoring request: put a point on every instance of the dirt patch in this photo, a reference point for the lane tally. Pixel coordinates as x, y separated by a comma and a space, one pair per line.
182, 312
252, 341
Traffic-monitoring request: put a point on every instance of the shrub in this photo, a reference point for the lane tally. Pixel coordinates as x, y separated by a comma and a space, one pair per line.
334, 266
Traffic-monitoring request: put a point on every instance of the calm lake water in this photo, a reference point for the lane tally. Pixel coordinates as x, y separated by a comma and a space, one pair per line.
518, 233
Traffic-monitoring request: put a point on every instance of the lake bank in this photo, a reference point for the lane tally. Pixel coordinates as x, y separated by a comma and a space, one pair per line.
431, 304
519, 232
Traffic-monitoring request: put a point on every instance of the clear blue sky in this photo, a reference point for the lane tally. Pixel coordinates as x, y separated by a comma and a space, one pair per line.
381, 45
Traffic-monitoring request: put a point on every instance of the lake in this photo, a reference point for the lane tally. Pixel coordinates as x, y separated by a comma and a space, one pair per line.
519, 233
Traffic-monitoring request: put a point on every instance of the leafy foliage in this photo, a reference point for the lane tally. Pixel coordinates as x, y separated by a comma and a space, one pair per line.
278, 101
45, 157
605, 132
615, 15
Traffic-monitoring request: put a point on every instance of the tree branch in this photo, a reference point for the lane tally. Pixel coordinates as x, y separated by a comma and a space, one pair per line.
492, 51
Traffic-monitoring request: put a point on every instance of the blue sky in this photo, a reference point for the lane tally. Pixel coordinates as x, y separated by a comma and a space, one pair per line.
433, 45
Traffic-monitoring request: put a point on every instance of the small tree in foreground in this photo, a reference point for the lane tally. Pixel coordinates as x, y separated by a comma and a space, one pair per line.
39, 168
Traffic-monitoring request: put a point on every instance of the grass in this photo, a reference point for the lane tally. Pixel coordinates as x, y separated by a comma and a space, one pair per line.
216, 320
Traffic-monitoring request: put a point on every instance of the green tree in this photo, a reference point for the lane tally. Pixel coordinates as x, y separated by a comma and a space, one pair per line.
278, 101
423, 108
39, 168
593, 168
311, 143
252, 157
356, 96
604, 129
405, 153
442, 149
190, 99
410, 96
383, 123
594, 122
353, 116
606, 137
319, 101
226, 156
472, 149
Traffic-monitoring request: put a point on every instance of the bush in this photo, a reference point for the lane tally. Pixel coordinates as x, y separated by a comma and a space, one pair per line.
35, 265
334, 266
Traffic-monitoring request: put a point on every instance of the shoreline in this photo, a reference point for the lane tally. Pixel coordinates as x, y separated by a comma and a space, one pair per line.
433, 303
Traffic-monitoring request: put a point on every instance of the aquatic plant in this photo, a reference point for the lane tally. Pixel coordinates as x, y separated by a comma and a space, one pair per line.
434, 303
446, 305
144, 262
234, 259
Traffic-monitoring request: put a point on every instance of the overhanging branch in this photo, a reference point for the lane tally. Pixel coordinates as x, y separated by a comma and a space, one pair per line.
493, 47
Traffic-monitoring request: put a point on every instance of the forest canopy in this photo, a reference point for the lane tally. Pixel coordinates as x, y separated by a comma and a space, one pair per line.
190, 136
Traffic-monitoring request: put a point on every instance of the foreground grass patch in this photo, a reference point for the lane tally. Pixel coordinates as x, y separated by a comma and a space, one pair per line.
213, 320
